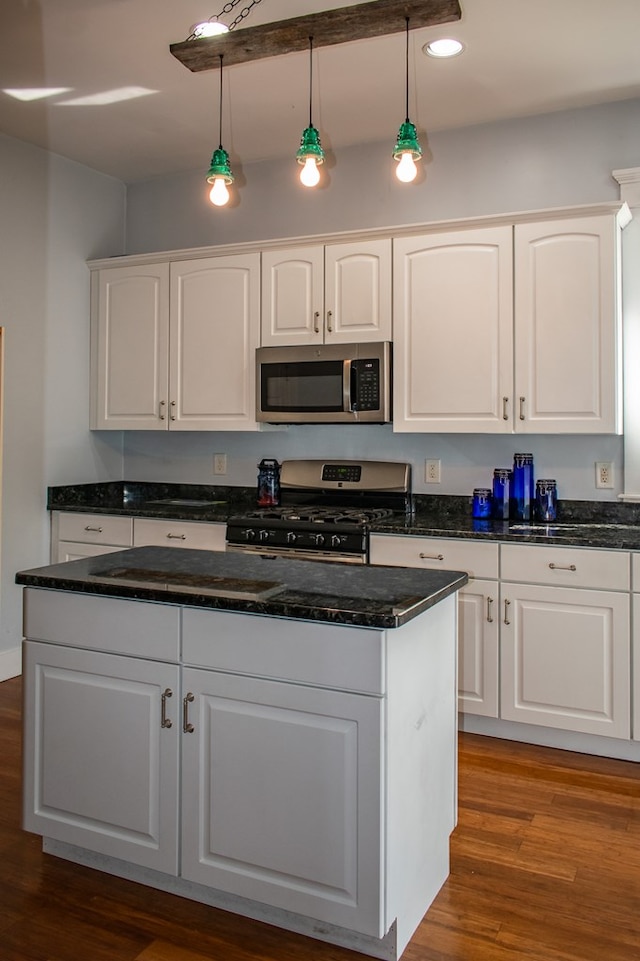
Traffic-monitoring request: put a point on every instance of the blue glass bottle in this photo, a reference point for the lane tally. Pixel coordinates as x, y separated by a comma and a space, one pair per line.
481, 507
546, 500
501, 493
522, 495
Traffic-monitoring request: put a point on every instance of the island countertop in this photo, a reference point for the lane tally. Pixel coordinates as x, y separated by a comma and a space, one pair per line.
352, 594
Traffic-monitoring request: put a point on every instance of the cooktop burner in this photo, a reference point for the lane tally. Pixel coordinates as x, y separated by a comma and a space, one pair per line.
318, 515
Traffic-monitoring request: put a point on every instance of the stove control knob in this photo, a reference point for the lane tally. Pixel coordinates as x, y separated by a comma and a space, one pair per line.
249, 534
336, 540
291, 537
318, 539
263, 536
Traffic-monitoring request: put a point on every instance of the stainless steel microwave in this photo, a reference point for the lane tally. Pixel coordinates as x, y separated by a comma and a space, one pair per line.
324, 384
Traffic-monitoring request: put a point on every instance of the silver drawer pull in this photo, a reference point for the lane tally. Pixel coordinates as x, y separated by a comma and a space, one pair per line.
561, 567
94, 530
489, 614
507, 605
177, 537
164, 720
187, 727
431, 557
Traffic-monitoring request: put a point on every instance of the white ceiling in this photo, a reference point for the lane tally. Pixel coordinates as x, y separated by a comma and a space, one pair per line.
522, 57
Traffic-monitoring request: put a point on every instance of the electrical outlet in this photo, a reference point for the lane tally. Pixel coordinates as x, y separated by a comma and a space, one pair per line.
604, 475
432, 471
219, 463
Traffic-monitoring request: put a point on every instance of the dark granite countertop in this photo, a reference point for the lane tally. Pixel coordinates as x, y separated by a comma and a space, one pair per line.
351, 594
604, 524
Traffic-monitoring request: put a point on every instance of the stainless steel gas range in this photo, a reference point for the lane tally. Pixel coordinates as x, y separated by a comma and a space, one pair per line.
326, 511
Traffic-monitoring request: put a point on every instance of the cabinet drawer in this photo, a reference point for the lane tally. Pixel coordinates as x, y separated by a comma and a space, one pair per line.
93, 529
347, 658
108, 624
149, 532
437, 553
565, 566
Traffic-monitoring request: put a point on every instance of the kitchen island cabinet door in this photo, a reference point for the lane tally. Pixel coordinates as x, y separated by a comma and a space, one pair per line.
214, 332
453, 332
282, 797
101, 771
568, 326
130, 348
565, 658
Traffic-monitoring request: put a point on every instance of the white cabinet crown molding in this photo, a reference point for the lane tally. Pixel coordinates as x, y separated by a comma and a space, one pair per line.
398, 230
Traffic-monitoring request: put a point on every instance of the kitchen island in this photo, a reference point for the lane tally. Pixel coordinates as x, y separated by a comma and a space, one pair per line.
274, 737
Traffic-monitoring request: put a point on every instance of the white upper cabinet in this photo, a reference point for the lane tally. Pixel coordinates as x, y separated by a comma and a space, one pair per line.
333, 294
567, 343
504, 329
173, 345
453, 331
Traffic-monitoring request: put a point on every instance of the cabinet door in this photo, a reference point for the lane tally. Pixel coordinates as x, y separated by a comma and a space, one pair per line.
129, 348
478, 624
565, 658
73, 551
636, 667
292, 296
567, 341
282, 797
453, 332
358, 292
100, 770
215, 323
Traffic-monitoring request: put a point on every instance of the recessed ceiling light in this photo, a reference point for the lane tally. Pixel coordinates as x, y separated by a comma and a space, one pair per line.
210, 28
35, 93
447, 47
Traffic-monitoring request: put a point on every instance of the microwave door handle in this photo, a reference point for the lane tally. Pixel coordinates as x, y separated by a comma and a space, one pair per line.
346, 385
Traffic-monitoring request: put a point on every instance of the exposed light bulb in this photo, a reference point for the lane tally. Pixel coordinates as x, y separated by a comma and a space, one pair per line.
310, 175
219, 195
406, 170
210, 28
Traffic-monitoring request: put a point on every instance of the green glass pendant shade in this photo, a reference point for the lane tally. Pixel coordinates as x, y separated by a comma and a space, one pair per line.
220, 166
407, 141
310, 146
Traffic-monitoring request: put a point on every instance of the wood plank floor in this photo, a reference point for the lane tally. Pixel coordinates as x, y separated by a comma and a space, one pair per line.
545, 867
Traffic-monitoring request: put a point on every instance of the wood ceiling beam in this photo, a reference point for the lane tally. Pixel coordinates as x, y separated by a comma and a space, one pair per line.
343, 25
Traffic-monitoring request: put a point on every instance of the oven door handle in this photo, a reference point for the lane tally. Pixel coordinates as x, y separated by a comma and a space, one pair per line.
348, 375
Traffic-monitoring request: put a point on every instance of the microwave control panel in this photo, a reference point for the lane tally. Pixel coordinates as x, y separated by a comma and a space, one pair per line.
365, 394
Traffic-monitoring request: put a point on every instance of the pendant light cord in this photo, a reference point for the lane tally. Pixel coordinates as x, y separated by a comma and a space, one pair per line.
407, 73
310, 78
221, 56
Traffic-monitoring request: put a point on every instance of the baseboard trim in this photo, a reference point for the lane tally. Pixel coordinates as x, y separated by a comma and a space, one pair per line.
10, 663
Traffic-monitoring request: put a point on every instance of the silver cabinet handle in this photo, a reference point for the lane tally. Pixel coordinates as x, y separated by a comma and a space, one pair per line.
161, 414
187, 727
489, 614
562, 567
431, 557
164, 720
95, 530
521, 415
173, 410
177, 537
316, 322
507, 605
505, 408
329, 316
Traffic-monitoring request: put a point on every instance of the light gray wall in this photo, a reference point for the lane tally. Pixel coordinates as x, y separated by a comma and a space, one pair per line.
55, 216
527, 164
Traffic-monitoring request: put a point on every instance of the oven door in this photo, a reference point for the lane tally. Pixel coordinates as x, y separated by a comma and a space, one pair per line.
300, 555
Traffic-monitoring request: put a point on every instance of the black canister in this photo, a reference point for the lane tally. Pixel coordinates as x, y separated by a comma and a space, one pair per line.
268, 483
546, 500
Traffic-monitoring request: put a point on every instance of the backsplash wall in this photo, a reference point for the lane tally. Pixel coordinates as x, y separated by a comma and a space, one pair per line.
467, 459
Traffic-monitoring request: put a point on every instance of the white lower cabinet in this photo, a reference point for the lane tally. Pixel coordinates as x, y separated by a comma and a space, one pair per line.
101, 771
282, 797
149, 532
565, 638
478, 624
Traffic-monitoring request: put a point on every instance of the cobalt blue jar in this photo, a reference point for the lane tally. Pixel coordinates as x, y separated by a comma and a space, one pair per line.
522, 495
501, 493
481, 503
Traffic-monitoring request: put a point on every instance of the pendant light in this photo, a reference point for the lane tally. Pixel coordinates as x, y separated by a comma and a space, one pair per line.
220, 172
310, 152
407, 149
